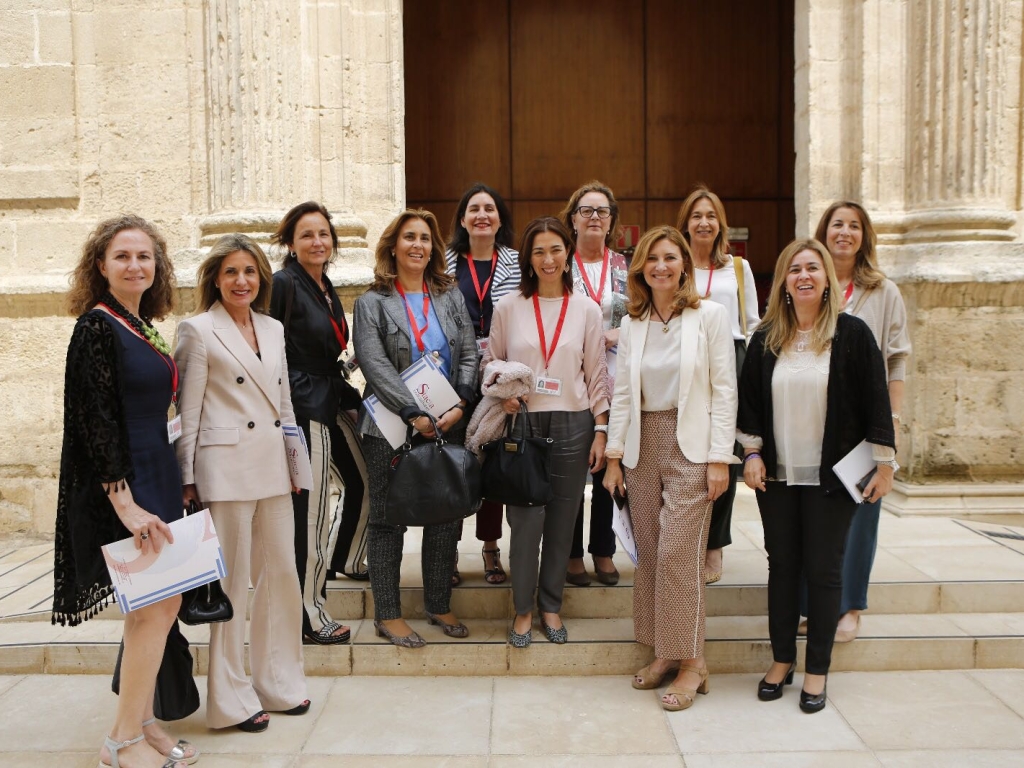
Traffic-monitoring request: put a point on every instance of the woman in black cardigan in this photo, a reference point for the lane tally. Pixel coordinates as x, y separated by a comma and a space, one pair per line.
813, 387
316, 333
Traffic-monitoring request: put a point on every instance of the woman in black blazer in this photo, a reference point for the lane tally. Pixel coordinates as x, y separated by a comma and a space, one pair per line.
316, 334
813, 387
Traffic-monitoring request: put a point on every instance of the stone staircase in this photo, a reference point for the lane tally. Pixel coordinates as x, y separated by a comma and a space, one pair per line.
946, 595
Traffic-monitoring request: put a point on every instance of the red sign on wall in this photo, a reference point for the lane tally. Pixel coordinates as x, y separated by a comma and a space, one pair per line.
629, 237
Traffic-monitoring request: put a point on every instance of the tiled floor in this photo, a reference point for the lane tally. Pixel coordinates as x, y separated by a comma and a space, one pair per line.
905, 719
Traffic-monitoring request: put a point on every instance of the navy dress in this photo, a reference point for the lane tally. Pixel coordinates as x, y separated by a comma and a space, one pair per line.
147, 387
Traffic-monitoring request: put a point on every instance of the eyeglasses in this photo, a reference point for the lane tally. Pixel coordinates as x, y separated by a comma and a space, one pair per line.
587, 212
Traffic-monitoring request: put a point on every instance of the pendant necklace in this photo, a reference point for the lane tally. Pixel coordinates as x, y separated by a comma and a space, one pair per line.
664, 322
802, 339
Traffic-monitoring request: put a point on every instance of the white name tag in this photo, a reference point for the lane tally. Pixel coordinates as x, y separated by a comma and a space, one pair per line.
482, 345
548, 386
174, 429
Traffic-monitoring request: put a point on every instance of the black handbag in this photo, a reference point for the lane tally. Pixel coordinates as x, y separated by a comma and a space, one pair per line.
431, 481
206, 604
517, 470
176, 695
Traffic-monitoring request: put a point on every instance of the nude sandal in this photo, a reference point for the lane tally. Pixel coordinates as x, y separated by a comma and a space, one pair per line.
650, 682
686, 696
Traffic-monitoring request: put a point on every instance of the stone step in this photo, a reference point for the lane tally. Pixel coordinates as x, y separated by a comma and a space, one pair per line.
597, 647
597, 602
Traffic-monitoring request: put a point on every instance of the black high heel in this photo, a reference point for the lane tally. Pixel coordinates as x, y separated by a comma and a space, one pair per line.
771, 691
813, 703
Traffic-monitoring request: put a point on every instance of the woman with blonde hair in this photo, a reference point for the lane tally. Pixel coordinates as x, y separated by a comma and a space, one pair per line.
812, 388
673, 424
845, 229
118, 474
411, 311
729, 281
599, 273
235, 401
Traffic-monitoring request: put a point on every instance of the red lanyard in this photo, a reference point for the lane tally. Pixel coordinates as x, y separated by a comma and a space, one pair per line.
481, 293
711, 274
847, 294
338, 332
558, 328
417, 332
586, 281
168, 360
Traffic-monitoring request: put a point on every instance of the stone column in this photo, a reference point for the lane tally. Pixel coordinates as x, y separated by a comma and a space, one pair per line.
964, 81
265, 109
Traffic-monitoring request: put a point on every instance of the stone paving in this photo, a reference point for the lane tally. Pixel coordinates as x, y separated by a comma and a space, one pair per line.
962, 582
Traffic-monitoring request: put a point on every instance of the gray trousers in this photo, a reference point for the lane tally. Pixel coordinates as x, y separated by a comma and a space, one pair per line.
573, 433
384, 543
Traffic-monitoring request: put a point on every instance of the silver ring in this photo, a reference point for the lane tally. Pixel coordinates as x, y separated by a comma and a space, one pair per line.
144, 536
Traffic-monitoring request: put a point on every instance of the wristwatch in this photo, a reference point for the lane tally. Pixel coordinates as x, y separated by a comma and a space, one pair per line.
890, 463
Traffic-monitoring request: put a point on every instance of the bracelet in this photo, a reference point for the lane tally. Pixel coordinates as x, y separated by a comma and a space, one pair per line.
601, 428
896, 417
749, 456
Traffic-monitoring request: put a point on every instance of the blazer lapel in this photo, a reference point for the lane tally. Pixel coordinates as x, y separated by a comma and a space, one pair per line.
638, 340
394, 307
689, 330
227, 333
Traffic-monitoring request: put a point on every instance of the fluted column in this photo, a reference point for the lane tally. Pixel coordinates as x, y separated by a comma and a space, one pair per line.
961, 146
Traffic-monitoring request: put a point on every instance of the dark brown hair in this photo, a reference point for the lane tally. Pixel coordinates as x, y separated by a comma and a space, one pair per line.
528, 280
207, 292
459, 240
385, 268
285, 234
88, 285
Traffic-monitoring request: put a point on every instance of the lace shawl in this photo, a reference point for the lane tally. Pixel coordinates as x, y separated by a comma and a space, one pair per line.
95, 450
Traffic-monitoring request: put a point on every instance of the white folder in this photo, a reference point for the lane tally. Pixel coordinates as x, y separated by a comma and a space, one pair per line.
429, 387
853, 467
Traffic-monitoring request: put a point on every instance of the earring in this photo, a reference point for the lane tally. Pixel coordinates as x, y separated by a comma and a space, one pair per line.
531, 272
292, 255
824, 297
789, 299
566, 267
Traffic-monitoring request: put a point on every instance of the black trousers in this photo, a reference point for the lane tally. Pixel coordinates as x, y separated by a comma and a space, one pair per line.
804, 530
720, 534
602, 537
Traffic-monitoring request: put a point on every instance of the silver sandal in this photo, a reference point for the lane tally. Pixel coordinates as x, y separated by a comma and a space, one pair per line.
116, 746
178, 751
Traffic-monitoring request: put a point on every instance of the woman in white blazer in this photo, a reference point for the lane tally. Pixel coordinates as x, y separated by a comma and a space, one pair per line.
234, 400
673, 423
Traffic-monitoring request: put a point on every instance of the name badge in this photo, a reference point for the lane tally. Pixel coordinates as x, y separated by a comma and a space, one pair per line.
174, 429
548, 386
482, 345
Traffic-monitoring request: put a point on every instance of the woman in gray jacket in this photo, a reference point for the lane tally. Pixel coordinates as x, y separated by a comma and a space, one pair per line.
411, 311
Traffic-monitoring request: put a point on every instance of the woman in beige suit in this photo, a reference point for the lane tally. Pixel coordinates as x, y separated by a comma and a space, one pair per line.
234, 401
673, 423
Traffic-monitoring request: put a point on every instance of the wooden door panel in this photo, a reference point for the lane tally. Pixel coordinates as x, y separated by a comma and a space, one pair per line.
456, 97
712, 97
577, 97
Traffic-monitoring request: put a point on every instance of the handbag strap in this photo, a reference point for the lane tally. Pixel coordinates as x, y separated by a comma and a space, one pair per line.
524, 416
737, 265
409, 429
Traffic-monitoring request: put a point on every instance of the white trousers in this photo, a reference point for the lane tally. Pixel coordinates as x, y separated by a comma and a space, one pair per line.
257, 538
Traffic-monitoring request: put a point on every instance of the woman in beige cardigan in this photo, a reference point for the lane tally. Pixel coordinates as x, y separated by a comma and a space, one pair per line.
673, 423
234, 401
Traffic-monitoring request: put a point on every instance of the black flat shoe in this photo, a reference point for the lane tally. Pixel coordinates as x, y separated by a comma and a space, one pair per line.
811, 704
771, 691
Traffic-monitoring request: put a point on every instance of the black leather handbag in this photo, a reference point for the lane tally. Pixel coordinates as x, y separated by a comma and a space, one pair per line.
517, 470
431, 481
206, 604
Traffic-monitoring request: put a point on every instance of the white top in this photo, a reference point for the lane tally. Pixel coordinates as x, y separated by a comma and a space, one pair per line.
659, 366
799, 399
608, 297
725, 291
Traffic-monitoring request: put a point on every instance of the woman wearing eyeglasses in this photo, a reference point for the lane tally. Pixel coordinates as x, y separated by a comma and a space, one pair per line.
592, 215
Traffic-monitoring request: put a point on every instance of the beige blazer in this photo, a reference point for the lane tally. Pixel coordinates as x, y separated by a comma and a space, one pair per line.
232, 407
706, 423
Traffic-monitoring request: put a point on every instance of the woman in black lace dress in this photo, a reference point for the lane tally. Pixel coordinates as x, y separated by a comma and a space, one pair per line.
118, 472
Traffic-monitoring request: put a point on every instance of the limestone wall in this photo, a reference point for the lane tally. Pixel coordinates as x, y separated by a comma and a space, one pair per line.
205, 116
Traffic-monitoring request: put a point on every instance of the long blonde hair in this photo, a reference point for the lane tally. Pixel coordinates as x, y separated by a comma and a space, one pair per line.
866, 273
780, 318
639, 292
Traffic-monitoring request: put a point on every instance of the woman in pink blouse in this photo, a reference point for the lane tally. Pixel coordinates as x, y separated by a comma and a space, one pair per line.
560, 335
